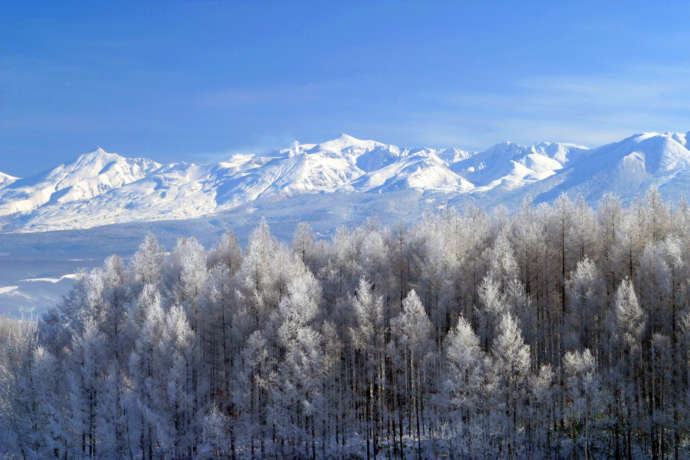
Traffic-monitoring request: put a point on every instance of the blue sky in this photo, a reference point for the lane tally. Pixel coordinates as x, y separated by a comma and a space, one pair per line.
198, 80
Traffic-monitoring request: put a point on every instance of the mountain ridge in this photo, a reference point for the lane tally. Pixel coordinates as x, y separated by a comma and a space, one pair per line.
101, 188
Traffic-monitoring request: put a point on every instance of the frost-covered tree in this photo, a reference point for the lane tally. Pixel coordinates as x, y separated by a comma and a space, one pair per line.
147, 263
300, 375
627, 324
587, 300
461, 386
511, 360
558, 332
585, 402
414, 333
228, 253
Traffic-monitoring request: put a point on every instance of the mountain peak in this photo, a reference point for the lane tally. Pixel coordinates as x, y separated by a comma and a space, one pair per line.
646, 135
6, 179
345, 141
347, 138
105, 188
98, 155
98, 159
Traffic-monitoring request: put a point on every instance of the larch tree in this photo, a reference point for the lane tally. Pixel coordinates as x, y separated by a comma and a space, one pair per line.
414, 333
511, 360
462, 378
445, 338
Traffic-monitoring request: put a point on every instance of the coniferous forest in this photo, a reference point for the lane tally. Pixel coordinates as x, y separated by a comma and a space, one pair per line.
559, 331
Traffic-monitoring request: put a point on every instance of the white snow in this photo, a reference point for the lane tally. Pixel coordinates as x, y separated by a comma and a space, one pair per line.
629, 168
90, 175
421, 170
71, 276
509, 166
103, 188
6, 179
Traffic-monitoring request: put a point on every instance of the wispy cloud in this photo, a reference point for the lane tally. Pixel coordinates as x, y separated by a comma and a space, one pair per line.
591, 109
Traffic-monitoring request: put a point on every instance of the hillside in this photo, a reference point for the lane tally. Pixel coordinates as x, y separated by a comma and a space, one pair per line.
103, 188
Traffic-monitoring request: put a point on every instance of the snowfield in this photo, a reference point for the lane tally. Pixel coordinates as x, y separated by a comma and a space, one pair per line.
103, 203
101, 188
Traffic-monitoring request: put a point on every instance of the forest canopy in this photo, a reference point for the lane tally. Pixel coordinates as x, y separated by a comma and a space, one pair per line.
560, 331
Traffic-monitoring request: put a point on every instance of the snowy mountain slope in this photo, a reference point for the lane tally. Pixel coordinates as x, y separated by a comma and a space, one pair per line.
333, 165
628, 168
178, 191
508, 166
6, 179
101, 188
422, 170
303, 168
90, 175
453, 155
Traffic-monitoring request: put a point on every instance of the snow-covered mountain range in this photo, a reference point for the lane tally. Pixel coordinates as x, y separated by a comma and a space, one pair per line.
101, 188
